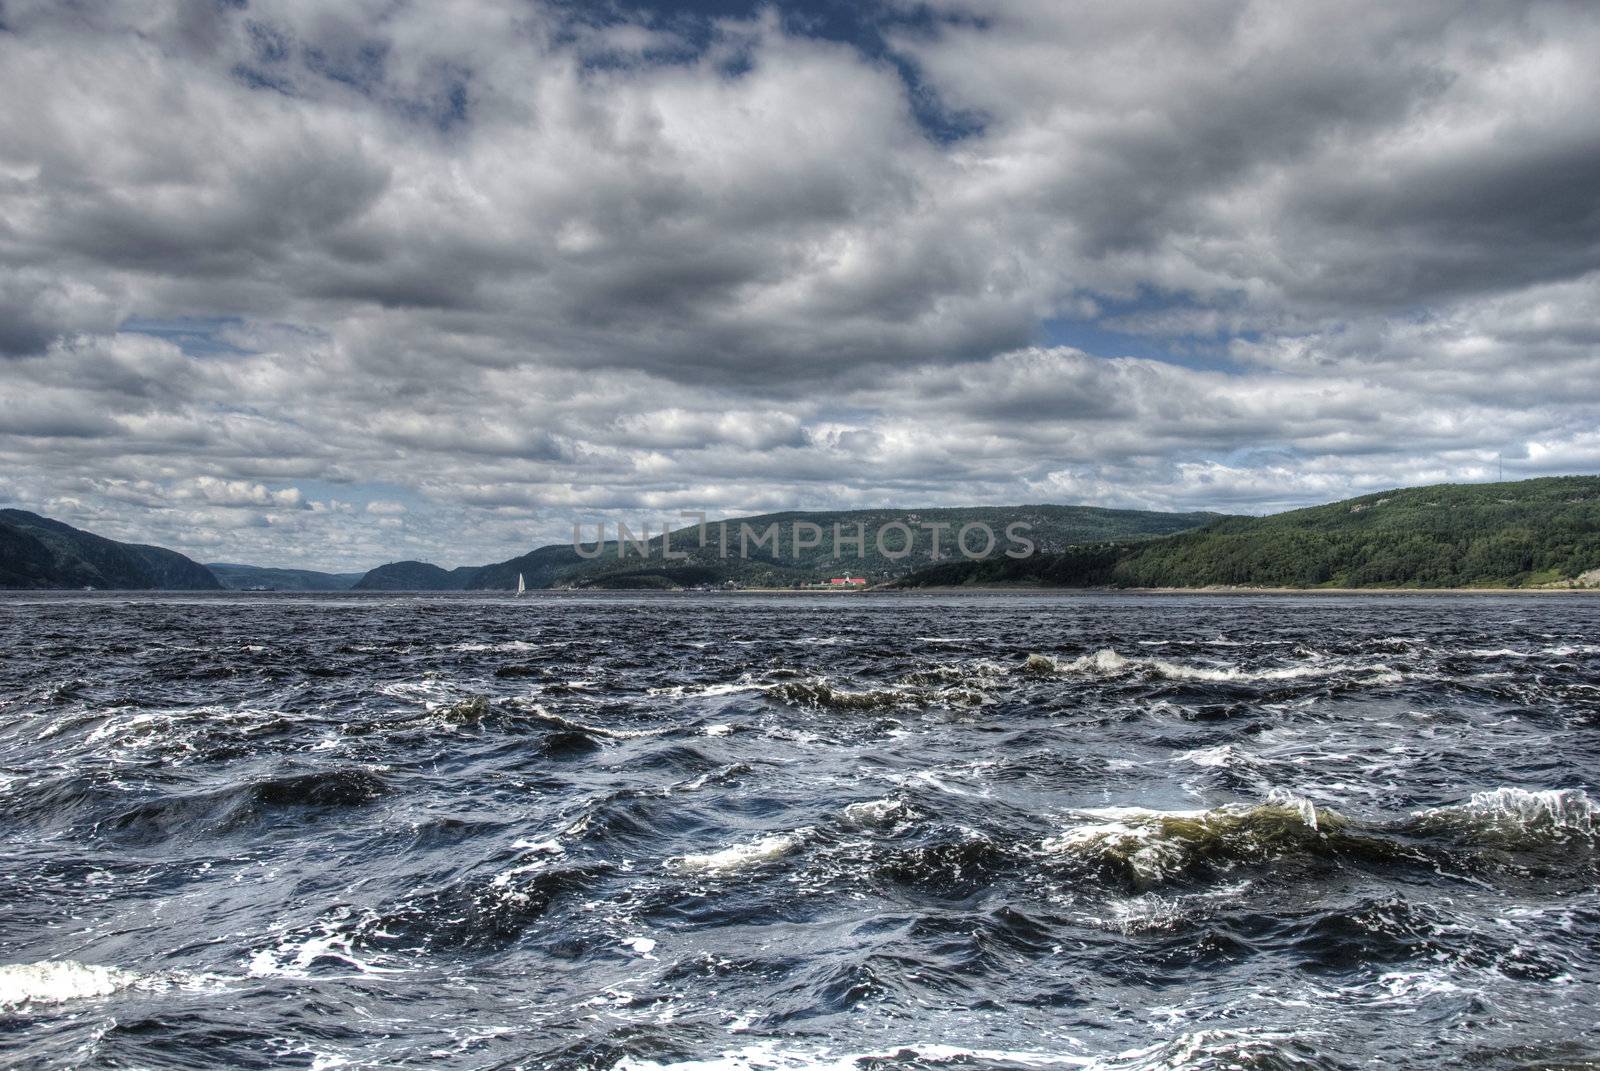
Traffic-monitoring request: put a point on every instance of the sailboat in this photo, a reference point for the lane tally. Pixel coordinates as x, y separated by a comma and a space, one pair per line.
522, 588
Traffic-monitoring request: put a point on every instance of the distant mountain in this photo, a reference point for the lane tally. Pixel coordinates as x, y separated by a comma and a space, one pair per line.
237, 577
36, 552
1048, 528
414, 576
1531, 533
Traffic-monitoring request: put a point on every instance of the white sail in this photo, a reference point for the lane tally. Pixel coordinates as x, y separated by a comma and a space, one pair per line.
521, 587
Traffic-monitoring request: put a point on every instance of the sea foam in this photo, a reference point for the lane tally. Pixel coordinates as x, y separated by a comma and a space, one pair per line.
1519, 814
1108, 662
739, 857
58, 981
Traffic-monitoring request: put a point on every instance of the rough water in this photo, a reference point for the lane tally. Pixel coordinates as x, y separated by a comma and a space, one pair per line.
854, 832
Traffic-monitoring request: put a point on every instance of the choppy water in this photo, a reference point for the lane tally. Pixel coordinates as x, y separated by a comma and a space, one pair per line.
799, 832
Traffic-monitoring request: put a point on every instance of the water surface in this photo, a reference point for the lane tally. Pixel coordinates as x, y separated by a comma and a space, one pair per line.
857, 831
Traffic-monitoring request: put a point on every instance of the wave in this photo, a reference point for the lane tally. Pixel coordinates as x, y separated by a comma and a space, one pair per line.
237, 807
127, 735
304, 955
465, 914
1220, 1050
946, 861
1218, 756
1107, 662
1564, 650
328, 788
769, 1056
875, 814
504, 646
738, 857
469, 711
1156, 846
479, 711
1202, 1050
1570, 649
1516, 816
58, 981
820, 693
539, 713
965, 672
720, 776
1152, 846
704, 691
1150, 912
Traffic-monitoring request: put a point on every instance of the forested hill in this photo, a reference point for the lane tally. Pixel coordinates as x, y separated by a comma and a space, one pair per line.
1530, 533
1047, 527
414, 576
37, 552
607, 566
236, 577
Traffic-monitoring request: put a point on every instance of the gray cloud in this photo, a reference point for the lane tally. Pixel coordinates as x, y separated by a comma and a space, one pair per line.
338, 283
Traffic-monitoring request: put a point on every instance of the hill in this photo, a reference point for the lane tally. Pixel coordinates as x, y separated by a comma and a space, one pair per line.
36, 552
1049, 528
1523, 534
236, 577
414, 576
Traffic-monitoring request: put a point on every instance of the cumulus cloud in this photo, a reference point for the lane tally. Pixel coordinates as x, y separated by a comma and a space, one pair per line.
238, 494
316, 283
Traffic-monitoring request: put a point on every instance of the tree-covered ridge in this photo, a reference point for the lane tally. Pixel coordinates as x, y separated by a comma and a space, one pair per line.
37, 552
414, 576
1522, 534
236, 577
745, 562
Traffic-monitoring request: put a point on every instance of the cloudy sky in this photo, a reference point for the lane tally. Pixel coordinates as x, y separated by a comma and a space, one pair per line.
306, 282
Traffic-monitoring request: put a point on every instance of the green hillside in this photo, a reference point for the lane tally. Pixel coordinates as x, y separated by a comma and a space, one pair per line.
1528, 533
414, 576
1050, 528
236, 577
37, 552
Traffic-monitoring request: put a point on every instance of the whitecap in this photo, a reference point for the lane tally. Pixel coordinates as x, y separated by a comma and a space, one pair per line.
507, 646
592, 730
296, 954
875, 813
1155, 844
704, 691
552, 847
1212, 1049
1519, 812
820, 692
1107, 662
58, 981
1134, 834
1219, 757
769, 1056
739, 857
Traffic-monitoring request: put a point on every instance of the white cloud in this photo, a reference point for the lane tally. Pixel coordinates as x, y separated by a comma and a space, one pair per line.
508, 268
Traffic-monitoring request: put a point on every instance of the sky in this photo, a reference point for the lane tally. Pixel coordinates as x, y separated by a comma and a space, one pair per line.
328, 284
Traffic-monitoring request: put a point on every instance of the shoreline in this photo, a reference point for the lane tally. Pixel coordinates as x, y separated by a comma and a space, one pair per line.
957, 589
1022, 589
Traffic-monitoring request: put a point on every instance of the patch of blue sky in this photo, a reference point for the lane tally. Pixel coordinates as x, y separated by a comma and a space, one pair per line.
1132, 328
197, 336
361, 495
867, 26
